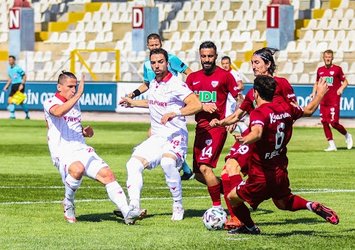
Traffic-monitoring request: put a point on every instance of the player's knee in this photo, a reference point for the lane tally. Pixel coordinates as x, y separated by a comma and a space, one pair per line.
134, 165
205, 170
334, 124
168, 163
77, 170
284, 204
232, 168
105, 175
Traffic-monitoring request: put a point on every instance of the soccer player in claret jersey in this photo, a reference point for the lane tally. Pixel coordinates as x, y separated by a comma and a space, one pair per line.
212, 84
169, 101
263, 63
175, 66
270, 130
69, 152
330, 105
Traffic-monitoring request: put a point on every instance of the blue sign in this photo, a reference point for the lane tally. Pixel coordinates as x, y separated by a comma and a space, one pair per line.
96, 97
347, 102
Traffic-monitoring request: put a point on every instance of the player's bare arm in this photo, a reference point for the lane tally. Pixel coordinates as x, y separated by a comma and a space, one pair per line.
193, 106
61, 110
129, 102
140, 90
254, 135
209, 107
343, 86
7, 84
321, 90
88, 131
188, 71
229, 120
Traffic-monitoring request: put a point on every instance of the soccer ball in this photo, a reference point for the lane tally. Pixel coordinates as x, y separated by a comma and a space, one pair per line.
214, 218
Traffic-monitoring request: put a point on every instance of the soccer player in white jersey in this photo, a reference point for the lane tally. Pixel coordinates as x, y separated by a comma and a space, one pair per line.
169, 101
69, 152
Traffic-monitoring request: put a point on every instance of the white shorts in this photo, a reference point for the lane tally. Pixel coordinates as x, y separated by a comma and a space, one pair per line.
86, 155
155, 146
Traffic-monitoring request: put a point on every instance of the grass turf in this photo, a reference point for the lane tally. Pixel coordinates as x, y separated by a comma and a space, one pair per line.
31, 190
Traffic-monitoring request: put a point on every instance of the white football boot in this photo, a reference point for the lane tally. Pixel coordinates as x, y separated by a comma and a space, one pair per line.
178, 213
349, 141
69, 211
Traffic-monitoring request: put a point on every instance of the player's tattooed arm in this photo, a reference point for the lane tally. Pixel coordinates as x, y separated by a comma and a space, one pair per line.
129, 102
61, 110
192, 106
254, 135
321, 90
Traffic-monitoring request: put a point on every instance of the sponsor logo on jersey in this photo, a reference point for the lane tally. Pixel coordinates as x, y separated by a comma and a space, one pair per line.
194, 83
207, 96
329, 80
331, 72
156, 102
214, 83
208, 142
274, 118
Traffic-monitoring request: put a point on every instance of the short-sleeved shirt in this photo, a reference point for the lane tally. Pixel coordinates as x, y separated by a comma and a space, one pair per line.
231, 102
64, 133
270, 151
212, 88
283, 93
175, 66
167, 96
334, 77
15, 73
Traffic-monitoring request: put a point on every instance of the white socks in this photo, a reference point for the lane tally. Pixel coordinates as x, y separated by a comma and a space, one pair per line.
71, 185
134, 181
117, 196
173, 179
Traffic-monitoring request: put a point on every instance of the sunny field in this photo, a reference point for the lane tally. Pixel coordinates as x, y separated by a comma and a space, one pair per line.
31, 191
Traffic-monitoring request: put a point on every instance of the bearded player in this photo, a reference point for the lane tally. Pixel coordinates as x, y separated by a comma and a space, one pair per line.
169, 101
212, 84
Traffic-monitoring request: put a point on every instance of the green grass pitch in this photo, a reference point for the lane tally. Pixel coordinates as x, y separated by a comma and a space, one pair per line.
31, 190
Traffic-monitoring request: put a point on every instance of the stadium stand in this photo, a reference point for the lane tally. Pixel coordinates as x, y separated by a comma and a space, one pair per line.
237, 26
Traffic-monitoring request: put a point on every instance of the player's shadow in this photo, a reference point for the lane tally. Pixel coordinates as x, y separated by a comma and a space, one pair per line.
104, 217
98, 217
308, 221
190, 213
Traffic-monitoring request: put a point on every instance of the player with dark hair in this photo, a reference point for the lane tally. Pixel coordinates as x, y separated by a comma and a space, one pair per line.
17, 80
169, 100
71, 155
175, 66
212, 84
270, 130
263, 63
330, 105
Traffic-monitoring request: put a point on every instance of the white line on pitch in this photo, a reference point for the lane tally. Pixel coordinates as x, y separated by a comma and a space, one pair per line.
301, 191
91, 200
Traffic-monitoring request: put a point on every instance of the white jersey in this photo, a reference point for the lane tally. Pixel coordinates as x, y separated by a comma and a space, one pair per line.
231, 105
167, 96
64, 133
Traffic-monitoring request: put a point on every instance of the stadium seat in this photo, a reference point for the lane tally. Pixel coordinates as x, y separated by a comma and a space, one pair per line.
304, 78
